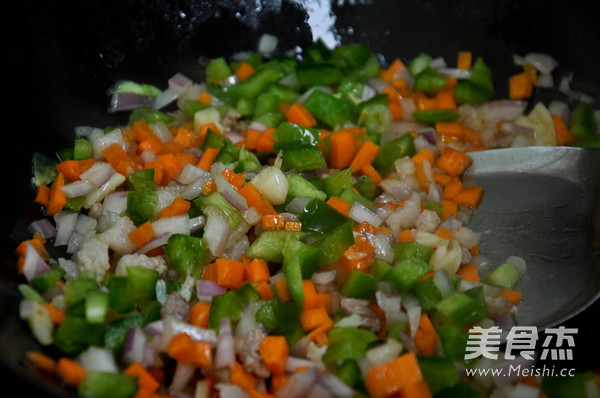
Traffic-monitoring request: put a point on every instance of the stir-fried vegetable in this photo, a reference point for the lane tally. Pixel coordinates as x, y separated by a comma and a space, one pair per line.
282, 228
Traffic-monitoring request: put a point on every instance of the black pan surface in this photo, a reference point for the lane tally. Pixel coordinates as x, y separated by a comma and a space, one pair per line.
60, 58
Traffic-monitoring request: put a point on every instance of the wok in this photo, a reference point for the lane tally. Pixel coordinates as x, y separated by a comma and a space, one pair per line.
60, 59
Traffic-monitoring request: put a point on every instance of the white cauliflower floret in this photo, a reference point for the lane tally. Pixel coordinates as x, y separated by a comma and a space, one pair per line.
93, 256
157, 263
116, 237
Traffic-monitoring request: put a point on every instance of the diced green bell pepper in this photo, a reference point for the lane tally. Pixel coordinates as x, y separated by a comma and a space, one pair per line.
141, 180
143, 282
46, 280
269, 244
301, 187
336, 182
318, 74
121, 294
75, 334
265, 314
430, 81
347, 343
377, 119
116, 330
333, 245
232, 215
101, 384
567, 386
428, 294
228, 304
348, 371
406, 272
454, 341
254, 84
44, 169
505, 276
419, 63
77, 288
392, 151
431, 116
359, 285
582, 124
290, 135
460, 390
320, 217
306, 256
328, 109
463, 308
82, 149
412, 249
356, 61
350, 196
217, 70
266, 102
366, 187
186, 254
379, 268
439, 373
96, 306
302, 158
247, 161
141, 205
149, 115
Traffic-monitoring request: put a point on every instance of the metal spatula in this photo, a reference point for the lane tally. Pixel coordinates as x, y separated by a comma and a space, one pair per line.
543, 205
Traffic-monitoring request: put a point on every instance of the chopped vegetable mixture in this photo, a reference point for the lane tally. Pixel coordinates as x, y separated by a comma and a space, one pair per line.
285, 227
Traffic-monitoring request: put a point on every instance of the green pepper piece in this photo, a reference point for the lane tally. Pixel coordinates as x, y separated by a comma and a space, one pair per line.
141, 180
582, 123
301, 187
350, 196
266, 102
302, 158
270, 243
461, 309
505, 276
149, 115
356, 61
100, 384
435, 115
213, 140
320, 217
481, 75
290, 135
318, 74
347, 343
379, 268
287, 316
247, 161
413, 249
284, 92
30, 293
567, 386
348, 371
186, 254
228, 304
419, 63
377, 119
96, 306
233, 216
76, 289
459, 390
454, 341
121, 294
75, 334
352, 87
328, 109
366, 187
141, 205
306, 256
247, 293
317, 52
270, 119
129, 86
217, 70
333, 245
478, 89
335, 183
82, 149
392, 151
265, 314
193, 106
406, 272
436, 207
439, 373
428, 294
44, 169
46, 280
359, 285
253, 85
143, 282
293, 277
116, 331
229, 153
430, 81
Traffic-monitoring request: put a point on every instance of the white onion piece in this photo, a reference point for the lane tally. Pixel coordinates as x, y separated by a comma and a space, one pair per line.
385, 352
383, 247
216, 231
98, 174
181, 377
77, 188
115, 202
207, 288
137, 348
360, 213
196, 333
163, 99
172, 225
225, 352
272, 183
560, 109
101, 142
179, 83
65, 225
334, 385
162, 131
297, 205
298, 385
190, 173
324, 277
43, 227
441, 279
414, 318
194, 189
98, 359
229, 390
148, 156
252, 216
461, 74
196, 223
500, 110
542, 62
293, 363
121, 101
109, 186
34, 263
157, 241
230, 193
247, 322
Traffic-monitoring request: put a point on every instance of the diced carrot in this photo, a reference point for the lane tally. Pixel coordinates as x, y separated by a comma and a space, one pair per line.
464, 60
396, 110
354, 259
532, 72
441, 178
366, 154
422, 155
257, 271
470, 196
142, 130
389, 378
298, 114
310, 295
392, 71
208, 187
342, 149
273, 221
453, 161
142, 234
207, 158
310, 318
471, 137
422, 178
340, 205
402, 86
452, 188
230, 273
250, 193
199, 314
70, 371
293, 226
392, 93
41, 361
185, 350
241, 378
145, 379
274, 351
202, 130
563, 135
364, 245
520, 86
57, 315
261, 394
42, 195
210, 272
453, 129
426, 336
56, 198
319, 334
445, 99
449, 208
186, 138
235, 179
252, 138
443, 233
178, 207
152, 143
370, 171
419, 389
468, 272
513, 296
282, 290
264, 207
264, 290
423, 102
72, 169
244, 70
406, 236
266, 141
474, 250
205, 98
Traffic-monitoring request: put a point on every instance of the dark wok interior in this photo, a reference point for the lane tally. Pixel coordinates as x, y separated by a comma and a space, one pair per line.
61, 58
